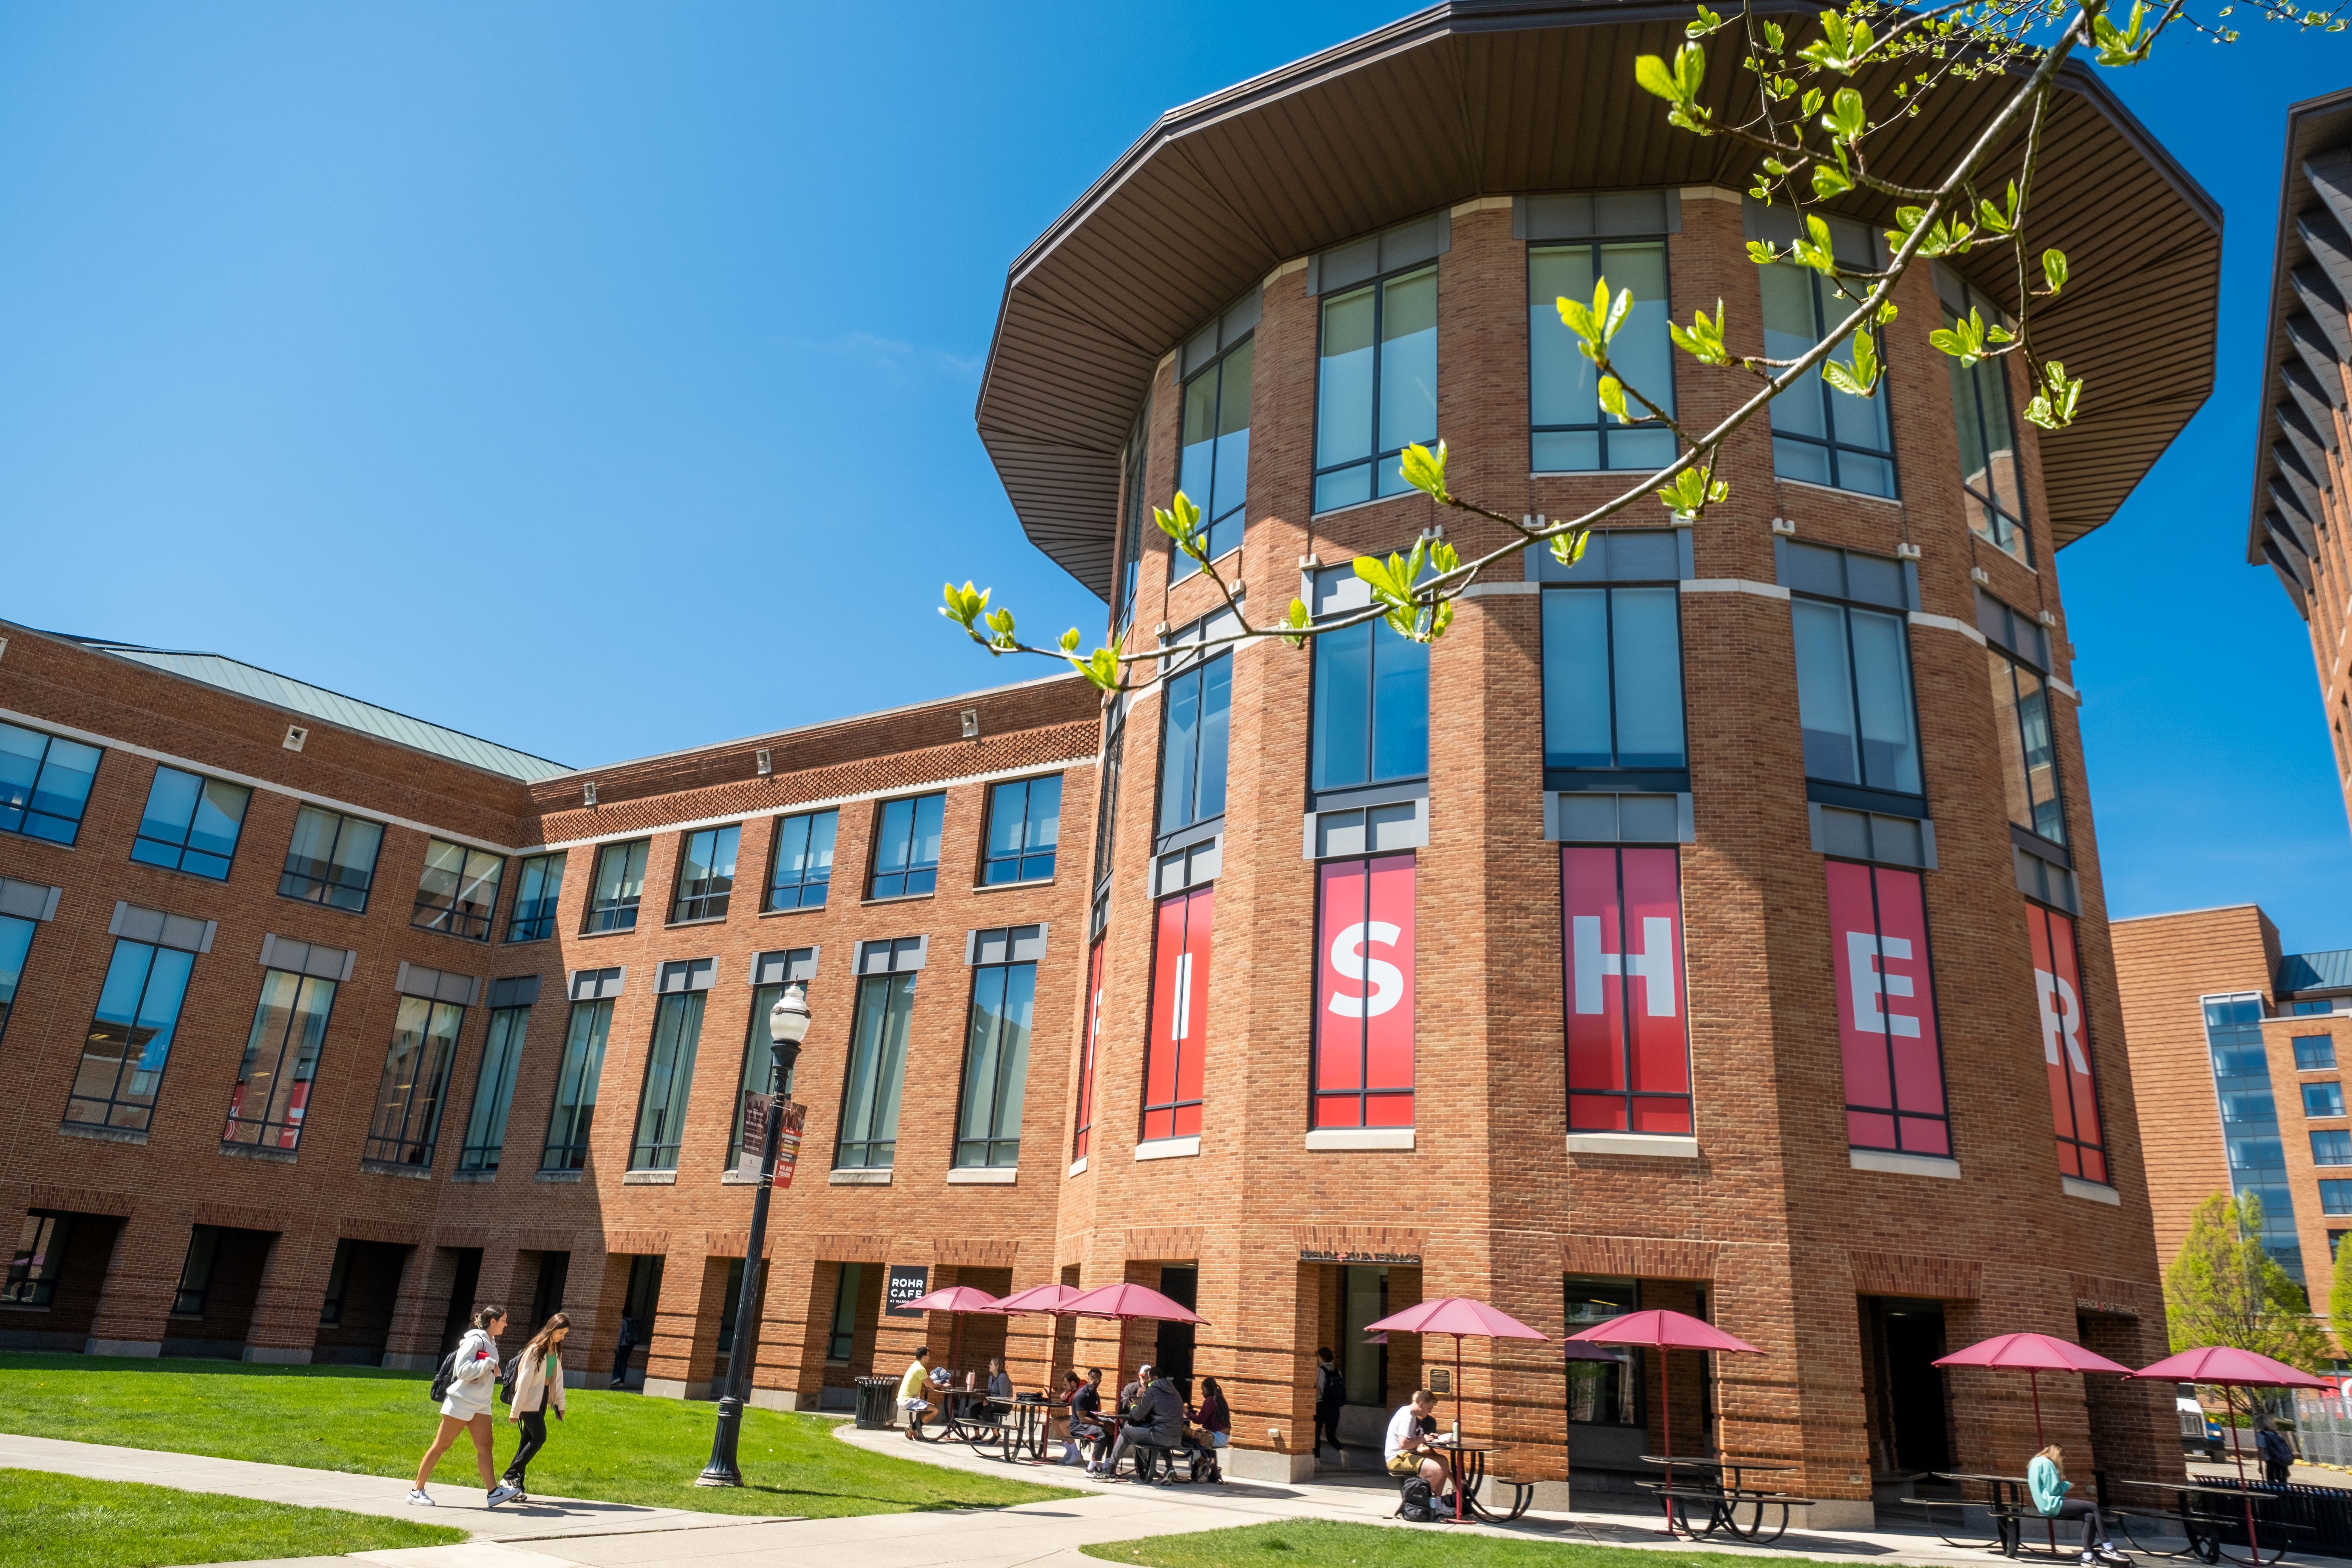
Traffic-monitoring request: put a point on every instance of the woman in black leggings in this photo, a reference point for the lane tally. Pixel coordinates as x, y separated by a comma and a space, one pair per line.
538, 1388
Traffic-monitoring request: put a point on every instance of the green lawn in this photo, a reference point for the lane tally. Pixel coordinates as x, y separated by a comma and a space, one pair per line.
64, 1521
614, 1448
1313, 1543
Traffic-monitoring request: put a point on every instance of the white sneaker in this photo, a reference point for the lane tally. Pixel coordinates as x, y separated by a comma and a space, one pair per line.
497, 1495
417, 1499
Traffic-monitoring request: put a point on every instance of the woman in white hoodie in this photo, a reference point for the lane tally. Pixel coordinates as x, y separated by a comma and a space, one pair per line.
473, 1384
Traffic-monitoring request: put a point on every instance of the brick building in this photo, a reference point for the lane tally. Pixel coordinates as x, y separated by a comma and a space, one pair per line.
1716, 925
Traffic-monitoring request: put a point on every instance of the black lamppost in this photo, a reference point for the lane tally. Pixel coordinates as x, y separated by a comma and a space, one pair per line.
788, 1024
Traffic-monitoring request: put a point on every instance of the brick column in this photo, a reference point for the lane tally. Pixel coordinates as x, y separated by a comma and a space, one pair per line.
285, 1324
788, 1361
141, 1280
413, 1341
685, 1326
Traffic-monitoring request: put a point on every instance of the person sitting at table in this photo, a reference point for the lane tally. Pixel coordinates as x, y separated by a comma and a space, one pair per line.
1410, 1445
1156, 1417
2046, 1477
999, 1382
912, 1402
1214, 1419
1067, 1416
1087, 1425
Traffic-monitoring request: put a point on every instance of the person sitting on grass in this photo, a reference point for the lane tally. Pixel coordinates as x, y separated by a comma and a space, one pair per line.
912, 1402
473, 1384
1410, 1448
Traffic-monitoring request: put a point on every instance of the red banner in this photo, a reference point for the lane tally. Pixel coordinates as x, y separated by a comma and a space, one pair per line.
1092, 1043
1363, 993
1628, 1048
1180, 1009
2065, 1052
1886, 1011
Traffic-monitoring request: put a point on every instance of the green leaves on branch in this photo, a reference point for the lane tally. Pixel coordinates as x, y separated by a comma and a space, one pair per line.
1182, 524
2054, 401
1296, 621
1689, 493
2126, 46
1595, 324
1947, 235
2054, 271
1841, 45
1100, 667
1425, 470
1679, 85
1707, 22
1703, 340
1861, 378
966, 606
1567, 548
1391, 583
2001, 219
1814, 250
1966, 339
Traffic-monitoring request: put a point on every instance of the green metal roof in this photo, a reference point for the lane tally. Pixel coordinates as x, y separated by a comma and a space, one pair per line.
2314, 971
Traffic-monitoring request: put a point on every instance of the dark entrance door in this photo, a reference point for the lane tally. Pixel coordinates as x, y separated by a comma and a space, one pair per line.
1911, 1336
1173, 1354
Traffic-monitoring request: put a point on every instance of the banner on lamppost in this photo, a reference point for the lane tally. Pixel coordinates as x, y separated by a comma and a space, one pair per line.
762, 1114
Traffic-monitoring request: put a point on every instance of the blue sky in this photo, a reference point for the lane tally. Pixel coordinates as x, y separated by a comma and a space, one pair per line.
557, 371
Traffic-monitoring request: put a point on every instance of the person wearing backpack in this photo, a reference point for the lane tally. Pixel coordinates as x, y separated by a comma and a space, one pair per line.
535, 1386
467, 1383
1409, 1456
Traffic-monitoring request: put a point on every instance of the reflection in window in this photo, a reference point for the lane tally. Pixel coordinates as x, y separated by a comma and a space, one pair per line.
16, 942
2029, 773
486, 1128
44, 784
2250, 1126
407, 1121
190, 824
539, 884
1612, 677
907, 846
1199, 719
1987, 430
1372, 707
1821, 435
1570, 433
804, 867
706, 874
877, 1067
281, 1058
2333, 1147
1853, 697
619, 886
1376, 387
1025, 824
458, 891
996, 1053
1215, 458
1603, 1392
39, 1260
574, 1113
669, 1079
130, 1039
2313, 1051
2323, 1100
332, 860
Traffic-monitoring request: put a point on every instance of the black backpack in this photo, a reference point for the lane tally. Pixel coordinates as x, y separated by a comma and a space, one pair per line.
507, 1382
445, 1377
1418, 1507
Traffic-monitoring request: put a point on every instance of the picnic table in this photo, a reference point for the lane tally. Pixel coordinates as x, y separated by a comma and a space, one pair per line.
2203, 1512
1465, 1464
1720, 1485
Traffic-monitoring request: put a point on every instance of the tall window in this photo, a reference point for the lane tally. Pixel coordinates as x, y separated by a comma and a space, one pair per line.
1363, 993
2065, 1046
281, 1058
576, 1079
804, 860
538, 885
1131, 532
1025, 824
1180, 996
191, 823
486, 1127
130, 1039
1986, 426
1091, 1046
1603, 1392
1199, 701
2016, 653
407, 1121
1214, 462
878, 1054
669, 1066
1886, 1011
2335, 1198
39, 1260
1371, 707
458, 890
2323, 1100
1820, 435
619, 886
196, 1271
1853, 697
996, 1044
841, 1340
44, 784
2249, 1123
1572, 434
2333, 1147
16, 942
332, 860
706, 874
1628, 1045
1376, 385
1612, 662
907, 846
2311, 1052
1107, 809
771, 974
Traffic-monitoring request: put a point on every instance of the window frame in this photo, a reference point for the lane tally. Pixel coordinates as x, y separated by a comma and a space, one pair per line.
1830, 442
544, 905
1336, 593
1672, 776
757, 1046
580, 1075
1605, 424
2339, 1147
601, 917
2333, 1089
1009, 1067
2335, 1200
484, 1145
128, 1066
12, 969
180, 851
707, 905
1182, 662
657, 1132
199, 1263
26, 809
452, 919
2299, 1041
414, 1138
288, 1127
1379, 284
1020, 857
1181, 566
1950, 282
884, 990
822, 884
323, 896
45, 1250
1862, 795
1135, 470
912, 869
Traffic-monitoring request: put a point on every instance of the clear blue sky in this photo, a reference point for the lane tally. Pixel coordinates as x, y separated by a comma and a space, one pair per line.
555, 370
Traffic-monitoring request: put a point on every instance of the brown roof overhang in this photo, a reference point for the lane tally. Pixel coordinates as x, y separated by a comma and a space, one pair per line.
1503, 97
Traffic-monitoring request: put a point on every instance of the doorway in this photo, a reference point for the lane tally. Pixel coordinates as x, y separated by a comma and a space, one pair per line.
1901, 1339
1363, 1299
1180, 1283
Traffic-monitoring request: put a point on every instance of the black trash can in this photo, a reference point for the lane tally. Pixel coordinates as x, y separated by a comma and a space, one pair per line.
877, 1404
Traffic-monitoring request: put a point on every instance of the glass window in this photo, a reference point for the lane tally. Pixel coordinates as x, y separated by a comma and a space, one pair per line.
2250, 1127
576, 1079
1570, 434
2313, 1051
458, 890
907, 846
1820, 435
16, 942
1199, 724
2065, 1045
757, 1072
191, 823
706, 874
2335, 1197
1025, 824
1130, 533
995, 1064
1628, 1048
1180, 996
1603, 1392
130, 1039
1376, 387
804, 867
669, 1079
2314, 1007
619, 886
1371, 707
843, 1340
2323, 1100
407, 1121
2020, 714
39, 1259
1090, 1047
338, 1282
1987, 430
537, 888
1107, 811
332, 860
2333, 1147
1612, 666
1854, 696
281, 1058
196, 1272
1215, 457
486, 1127
877, 1067
1887, 1037
44, 784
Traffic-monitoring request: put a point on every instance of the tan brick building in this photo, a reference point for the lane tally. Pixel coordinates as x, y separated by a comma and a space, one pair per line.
1716, 925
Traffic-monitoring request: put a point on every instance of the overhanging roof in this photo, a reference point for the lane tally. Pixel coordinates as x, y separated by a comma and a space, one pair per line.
1500, 97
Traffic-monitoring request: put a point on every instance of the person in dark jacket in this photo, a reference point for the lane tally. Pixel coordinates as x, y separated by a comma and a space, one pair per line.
1331, 1392
1156, 1417
2277, 1449
621, 1351
1215, 1418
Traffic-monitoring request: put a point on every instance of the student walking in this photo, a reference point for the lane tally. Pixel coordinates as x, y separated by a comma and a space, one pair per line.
621, 1351
466, 1406
2277, 1450
1331, 1392
538, 1388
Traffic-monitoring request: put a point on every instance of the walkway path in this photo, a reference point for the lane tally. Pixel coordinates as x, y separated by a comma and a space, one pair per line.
558, 1533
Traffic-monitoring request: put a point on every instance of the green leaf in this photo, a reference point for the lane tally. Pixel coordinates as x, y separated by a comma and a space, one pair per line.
963, 605
1100, 667
1297, 620
1182, 524
1619, 308
1776, 40
1860, 379
1846, 120
1704, 338
1829, 180
1070, 640
1762, 254
1567, 548
1812, 103
1707, 23
1814, 250
1651, 72
1690, 492
2053, 405
2054, 269
1612, 398
1425, 470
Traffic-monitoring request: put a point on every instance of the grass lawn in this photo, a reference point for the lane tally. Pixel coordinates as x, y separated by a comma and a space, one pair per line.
64, 1521
614, 1448
1316, 1543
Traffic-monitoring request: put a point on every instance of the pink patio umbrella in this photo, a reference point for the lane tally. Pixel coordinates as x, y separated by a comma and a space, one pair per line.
1127, 1303
2231, 1368
1458, 1316
2034, 1355
1048, 1300
955, 1300
1660, 1330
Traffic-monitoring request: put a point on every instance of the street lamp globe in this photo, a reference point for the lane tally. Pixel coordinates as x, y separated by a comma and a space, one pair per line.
788, 1020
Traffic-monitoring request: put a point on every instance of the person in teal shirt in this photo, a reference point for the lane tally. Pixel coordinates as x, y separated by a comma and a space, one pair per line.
2046, 1477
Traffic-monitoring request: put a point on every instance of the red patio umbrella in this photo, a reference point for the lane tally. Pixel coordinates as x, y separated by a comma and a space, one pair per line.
2034, 1355
1458, 1316
1660, 1330
955, 1300
1127, 1302
2231, 1368
1049, 1300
